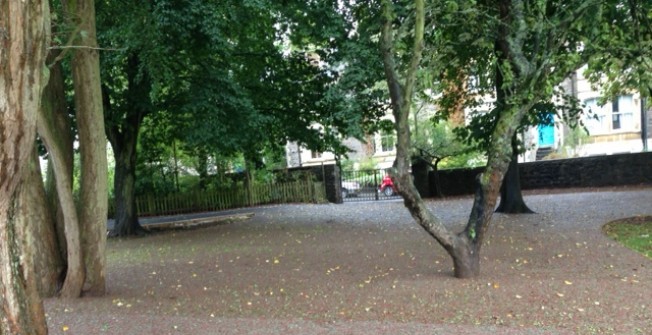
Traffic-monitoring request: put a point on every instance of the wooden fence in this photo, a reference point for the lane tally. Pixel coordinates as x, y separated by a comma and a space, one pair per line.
277, 193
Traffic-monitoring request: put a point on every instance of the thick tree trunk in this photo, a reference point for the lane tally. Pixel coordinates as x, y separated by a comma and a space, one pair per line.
126, 216
74, 278
36, 220
57, 139
466, 258
122, 129
22, 309
55, 124
93, 207
202, 168
24, 30
511, 197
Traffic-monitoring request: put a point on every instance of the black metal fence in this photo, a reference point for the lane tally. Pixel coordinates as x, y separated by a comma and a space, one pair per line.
365, 185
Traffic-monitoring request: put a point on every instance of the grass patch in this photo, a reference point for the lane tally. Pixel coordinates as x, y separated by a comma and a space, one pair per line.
635, 233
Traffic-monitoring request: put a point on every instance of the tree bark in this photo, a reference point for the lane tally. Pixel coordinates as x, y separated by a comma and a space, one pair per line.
24, 35
54, 125
126, 216
511, 197
93, 207
122, 129
50, 125
36, 222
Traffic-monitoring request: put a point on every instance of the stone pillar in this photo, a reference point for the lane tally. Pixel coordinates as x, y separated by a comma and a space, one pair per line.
420, 174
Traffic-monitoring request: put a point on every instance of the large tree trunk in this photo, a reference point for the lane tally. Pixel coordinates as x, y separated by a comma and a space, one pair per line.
511, 197
122, 129
126, 216
25, 35
93, 207
22, 309
55, 125
57, 139
36, 220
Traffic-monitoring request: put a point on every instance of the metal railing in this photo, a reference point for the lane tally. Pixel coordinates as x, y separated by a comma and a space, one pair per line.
364, 185
257, 194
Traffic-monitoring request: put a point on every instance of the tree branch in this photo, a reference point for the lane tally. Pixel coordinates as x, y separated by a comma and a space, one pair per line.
416, 53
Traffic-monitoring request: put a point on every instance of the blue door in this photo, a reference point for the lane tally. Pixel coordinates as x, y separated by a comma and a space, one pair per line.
546, 135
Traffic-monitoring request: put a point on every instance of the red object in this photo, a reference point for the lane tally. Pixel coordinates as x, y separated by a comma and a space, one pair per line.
387, 186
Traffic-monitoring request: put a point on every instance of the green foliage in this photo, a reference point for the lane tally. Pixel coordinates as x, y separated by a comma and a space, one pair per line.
227, 79
573, 141
493, 66
435, 143
368, 163
622, 52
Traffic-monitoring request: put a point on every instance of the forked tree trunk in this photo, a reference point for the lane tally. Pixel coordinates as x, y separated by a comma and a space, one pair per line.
24, 35
93, 207
464, 247
461, 247
56, 125
56, 141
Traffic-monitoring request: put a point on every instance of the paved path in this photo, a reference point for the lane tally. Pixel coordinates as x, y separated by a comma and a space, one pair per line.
609, 294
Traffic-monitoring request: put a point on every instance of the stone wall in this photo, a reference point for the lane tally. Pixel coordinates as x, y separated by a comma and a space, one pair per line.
612, 170
329, 174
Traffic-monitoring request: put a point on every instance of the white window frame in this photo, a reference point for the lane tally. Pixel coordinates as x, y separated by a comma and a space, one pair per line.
383, 136
624, 113
599, 126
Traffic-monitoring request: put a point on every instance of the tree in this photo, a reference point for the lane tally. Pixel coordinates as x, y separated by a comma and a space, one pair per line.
528, 72
172, 65
24, 30
36, 223
54, 128
622, 60
211, 74
92, 148
55, 132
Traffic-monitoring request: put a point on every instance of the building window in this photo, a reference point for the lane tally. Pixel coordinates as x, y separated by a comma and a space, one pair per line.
622, 113
617, 115
315, 154
387, 141
597, 121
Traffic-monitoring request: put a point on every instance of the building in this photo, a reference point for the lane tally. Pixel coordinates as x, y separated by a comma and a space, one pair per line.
616, 126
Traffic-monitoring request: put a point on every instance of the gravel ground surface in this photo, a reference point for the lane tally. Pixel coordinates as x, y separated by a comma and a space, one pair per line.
367, 268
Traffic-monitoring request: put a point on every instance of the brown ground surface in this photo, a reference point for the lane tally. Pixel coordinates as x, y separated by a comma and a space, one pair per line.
367, 268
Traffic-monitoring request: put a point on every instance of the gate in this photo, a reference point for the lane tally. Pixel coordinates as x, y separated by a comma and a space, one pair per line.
365, 185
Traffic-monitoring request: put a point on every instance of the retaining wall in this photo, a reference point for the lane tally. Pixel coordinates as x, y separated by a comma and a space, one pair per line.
595, 171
